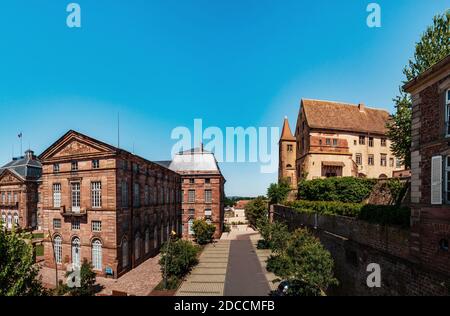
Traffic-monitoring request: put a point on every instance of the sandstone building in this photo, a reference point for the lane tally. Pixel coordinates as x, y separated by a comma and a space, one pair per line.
19, 181
104, 204
202, 189
430, 167
337, 140
287, 155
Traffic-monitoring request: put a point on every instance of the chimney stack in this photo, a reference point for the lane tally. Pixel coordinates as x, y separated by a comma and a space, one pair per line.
29, 154
361, 107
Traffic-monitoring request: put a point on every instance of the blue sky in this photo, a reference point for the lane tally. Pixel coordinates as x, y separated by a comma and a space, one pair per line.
162, 64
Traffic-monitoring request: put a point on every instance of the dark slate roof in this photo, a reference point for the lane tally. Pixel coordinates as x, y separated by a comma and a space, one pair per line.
164, 163
27, 167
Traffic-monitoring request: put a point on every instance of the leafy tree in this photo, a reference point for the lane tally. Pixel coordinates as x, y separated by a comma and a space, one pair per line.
87, 282
305, 263
433, 46
181, 256
256, 209
275, 235
18, 271
203, 232
278, 192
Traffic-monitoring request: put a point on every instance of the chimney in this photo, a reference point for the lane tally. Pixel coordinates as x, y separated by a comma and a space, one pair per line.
29, 154
361, 107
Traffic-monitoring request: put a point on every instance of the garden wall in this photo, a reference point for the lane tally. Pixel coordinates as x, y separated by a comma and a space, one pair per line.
355, 244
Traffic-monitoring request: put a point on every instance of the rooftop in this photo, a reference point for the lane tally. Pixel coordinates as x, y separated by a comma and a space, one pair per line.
25, 167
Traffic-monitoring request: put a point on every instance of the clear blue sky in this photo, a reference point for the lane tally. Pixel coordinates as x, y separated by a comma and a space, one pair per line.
162, 64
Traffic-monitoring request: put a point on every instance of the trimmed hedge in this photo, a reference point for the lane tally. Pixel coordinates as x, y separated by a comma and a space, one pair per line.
342, 189
377, 214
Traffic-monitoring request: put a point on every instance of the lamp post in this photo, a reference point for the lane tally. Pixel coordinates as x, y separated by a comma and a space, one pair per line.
167, 258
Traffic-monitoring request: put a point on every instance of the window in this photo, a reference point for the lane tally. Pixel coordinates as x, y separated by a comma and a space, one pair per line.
56, 194
124, 191
335, 142
147, 241
355, 142
96, 226
74, 166
16, 220
447, 106
3, 197
136, 195
16, 197
371, 160
190, 224
56, 168
383, 142
137, 245
146, 202
290, 148
3, 220
398, 163
328, 141
75, 186
447, 179
75, 224
208, 196
383, 161
97, 255
370, 141
95, 164
436, 179
207, 181
358, 159
362, 140
96, 194
57, 246
155, 237
208, 212
191, 212
76, 252
192, 181
124, 252
391, 162
9, 198
56, 223
191, 197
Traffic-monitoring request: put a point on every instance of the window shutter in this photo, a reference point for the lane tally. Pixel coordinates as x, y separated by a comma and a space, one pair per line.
436, 180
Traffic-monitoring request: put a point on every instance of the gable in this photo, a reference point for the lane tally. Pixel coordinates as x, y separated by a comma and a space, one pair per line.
74, 144
8, 177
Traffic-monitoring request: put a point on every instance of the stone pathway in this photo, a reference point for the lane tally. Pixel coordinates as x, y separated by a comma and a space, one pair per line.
263, 255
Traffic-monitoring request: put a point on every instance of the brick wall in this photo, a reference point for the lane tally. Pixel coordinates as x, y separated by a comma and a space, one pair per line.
355, 244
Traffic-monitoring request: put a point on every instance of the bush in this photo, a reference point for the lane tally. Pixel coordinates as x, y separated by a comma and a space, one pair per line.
87, 282
328, 208
278, 192
386, 215
181, 256
274, 235
203, 232
256, 209
342, 189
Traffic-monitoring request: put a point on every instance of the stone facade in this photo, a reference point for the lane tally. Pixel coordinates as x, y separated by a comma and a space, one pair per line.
287, 156
430, 151
343, 149
98, 198
19, 181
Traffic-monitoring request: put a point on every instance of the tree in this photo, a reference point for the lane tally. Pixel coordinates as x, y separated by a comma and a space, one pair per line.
278, 192
256, 209
305, 264
433, 46
18, 271
203, 232
87, 282
275, 235
181, 256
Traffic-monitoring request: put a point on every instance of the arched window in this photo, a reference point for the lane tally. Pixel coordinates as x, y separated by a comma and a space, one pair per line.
137, 245
147, 241
9, 221
288, 166
16, 220
3, 219
190, 230
124, 252
97, 255
76, 252
155, 237
57, 246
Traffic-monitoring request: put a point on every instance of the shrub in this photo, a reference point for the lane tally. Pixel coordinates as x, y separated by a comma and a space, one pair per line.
274, 235
328, 208
226, 228
203, 232
256, 209
87, 282
278, 192
342, 189
181, 256
386, 215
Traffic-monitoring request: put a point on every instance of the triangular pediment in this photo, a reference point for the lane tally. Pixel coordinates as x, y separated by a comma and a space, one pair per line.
9, 177
74, 144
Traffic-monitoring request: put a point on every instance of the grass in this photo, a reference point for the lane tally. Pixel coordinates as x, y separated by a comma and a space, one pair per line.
172, 284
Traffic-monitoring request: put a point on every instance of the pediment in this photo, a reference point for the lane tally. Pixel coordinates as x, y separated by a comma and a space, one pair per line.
7, 177
73, 145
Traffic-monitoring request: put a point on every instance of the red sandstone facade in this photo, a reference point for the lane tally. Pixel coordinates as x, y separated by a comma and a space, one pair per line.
105, 205
430, 161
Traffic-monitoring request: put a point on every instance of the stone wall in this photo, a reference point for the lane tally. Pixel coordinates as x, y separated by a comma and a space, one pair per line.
355, 244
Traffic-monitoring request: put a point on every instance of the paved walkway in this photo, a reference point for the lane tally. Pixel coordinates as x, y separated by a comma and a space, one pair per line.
231, 267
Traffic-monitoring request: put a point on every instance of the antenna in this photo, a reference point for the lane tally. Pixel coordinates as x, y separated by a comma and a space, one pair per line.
118, 130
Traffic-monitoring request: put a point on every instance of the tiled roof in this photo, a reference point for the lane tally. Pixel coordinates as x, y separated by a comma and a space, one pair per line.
26, 167
344, 117
286, 133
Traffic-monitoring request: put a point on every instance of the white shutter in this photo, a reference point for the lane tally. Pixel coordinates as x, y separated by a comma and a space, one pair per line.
436, 180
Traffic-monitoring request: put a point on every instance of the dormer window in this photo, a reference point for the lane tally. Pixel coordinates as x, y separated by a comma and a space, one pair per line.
74, 166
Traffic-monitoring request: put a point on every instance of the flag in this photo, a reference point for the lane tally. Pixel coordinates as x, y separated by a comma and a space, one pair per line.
20, 135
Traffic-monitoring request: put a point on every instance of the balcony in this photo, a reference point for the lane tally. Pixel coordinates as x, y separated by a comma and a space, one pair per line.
9, 205
73, 211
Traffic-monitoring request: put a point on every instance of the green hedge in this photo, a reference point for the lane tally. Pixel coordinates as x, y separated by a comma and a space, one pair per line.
377, 214
342, 189
328, 208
